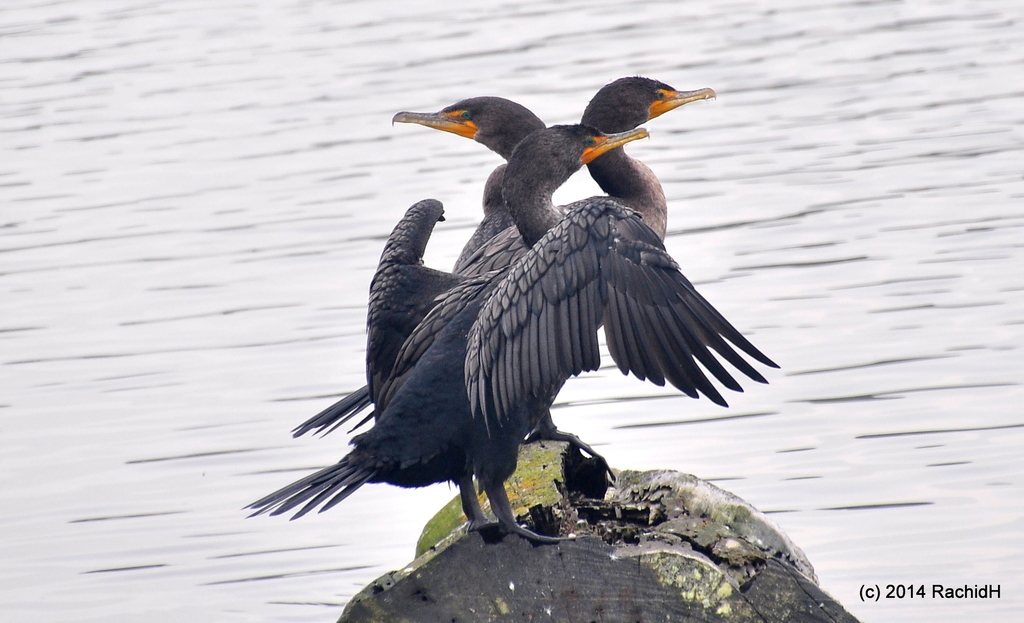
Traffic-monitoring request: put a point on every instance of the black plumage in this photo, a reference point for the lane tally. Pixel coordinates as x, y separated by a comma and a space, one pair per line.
507, 341
500, 124
402, 291
618, 106
602, 265
420, 439
598, 264
496, 123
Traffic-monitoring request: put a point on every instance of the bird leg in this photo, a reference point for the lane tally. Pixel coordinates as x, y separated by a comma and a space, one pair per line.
503, 511
471, 505
546, 430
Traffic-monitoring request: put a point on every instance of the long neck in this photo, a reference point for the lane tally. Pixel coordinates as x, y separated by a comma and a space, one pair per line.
540, 164
493, 202
632, 183
530, 206
496, 219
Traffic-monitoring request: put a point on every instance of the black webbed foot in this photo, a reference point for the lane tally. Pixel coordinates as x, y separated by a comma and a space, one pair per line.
485, 526
503, 511
546, 431
490, 530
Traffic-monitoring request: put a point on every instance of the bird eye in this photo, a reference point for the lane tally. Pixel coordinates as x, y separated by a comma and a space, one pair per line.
465, 114
590, 141
661, 95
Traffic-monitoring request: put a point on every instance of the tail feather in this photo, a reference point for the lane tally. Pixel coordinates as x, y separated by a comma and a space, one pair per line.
339, 481
336, 414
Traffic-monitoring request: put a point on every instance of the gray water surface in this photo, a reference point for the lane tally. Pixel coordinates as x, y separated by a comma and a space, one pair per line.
194, 195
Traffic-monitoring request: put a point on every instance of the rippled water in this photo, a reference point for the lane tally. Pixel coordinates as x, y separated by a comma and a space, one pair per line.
194, 196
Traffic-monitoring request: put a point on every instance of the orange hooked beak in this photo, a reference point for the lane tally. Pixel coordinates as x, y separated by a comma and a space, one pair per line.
606, 142
455, 121
669, 100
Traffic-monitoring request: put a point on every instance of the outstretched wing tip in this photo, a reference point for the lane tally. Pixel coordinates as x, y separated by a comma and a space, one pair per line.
601, 264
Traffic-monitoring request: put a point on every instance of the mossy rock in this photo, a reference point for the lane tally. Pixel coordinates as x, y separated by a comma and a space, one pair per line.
537, 483
658, 546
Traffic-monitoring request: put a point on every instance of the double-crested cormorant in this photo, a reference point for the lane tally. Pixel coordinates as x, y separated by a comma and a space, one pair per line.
622, 105
618, 106
402, 291
422, 439
500, 124
610, 268
496, 123
514, 336
425, 432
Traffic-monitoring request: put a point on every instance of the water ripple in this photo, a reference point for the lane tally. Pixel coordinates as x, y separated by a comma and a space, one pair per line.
196, 195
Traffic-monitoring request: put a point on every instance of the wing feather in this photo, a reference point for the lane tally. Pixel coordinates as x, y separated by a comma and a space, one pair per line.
599, 265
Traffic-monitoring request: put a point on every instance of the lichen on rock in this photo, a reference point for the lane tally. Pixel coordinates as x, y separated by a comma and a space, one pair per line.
656, 546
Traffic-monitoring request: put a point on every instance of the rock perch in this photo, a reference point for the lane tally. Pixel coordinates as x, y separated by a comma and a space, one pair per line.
657, 546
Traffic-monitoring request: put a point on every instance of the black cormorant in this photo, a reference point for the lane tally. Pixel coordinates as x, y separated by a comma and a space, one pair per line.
402, 291
500, 124
496, 123
622, 105
618, 106
512, 337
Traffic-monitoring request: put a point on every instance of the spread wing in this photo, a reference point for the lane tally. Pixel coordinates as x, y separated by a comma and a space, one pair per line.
447, 305
401, 297
402, 292
599, 265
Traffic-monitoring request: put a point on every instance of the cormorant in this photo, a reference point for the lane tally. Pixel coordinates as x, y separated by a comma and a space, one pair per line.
622, 105
402, 291
500, 124
409, 446
618, 106
512, 337
496, 123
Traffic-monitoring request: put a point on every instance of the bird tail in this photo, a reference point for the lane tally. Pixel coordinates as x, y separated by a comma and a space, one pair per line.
337, 414
331, 485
